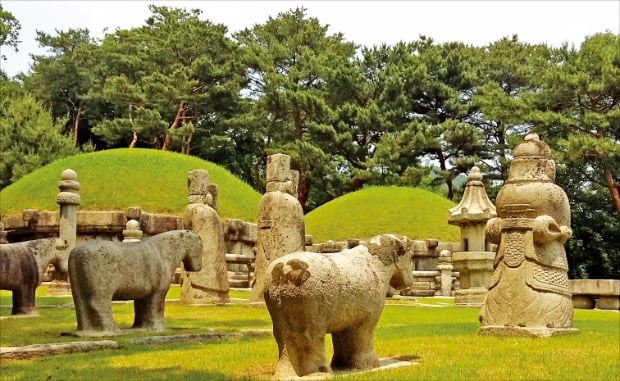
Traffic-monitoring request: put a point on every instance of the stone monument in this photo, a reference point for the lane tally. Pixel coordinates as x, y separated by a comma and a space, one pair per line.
209, 285
280, 220
68, 199
309, 295
529, 294
474, 261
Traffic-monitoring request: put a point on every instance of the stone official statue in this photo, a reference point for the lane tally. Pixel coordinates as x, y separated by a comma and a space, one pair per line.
209, 285
529, 293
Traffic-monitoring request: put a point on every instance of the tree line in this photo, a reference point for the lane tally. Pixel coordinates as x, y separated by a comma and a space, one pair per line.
416, 113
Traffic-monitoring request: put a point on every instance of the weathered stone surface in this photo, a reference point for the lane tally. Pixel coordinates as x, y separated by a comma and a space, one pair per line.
102, 271
529, 289
595, 287
22, 266
38, 350
209, 285
583, 302
309, 295
475, 271
584, 291
2, 234
132, 232
280, 221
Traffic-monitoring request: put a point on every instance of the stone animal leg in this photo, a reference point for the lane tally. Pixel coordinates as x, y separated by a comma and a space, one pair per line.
307, 352
149, 311
93, 312
353, 348
23, 300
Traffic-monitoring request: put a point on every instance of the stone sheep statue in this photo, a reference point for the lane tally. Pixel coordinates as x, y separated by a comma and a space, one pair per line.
102, 271
309, 295
22, 266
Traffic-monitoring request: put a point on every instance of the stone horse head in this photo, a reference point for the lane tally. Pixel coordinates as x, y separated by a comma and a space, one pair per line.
394, 251
191, 245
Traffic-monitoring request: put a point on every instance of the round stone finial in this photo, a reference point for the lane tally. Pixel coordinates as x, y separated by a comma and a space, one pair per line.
474, 174
532, 136
68, 174
132, 232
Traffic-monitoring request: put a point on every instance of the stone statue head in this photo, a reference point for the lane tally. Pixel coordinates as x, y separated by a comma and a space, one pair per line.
532, 161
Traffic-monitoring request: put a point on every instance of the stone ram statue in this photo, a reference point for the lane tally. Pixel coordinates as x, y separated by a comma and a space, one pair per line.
309, 295
22, 266
102, 271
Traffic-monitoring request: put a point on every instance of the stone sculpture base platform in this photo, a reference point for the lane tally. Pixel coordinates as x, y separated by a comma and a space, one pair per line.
38, 350
471, 297
498, 330
59, 288
383, 364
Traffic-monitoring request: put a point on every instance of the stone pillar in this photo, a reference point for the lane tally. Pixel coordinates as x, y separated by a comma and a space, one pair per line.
474, 263
68, 199
209, 285
445, 274
132, 232
529, 293
280, 221
2, 234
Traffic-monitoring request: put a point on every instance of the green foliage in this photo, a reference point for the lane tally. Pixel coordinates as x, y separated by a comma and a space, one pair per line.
9, 30
413, 212
292, 63
120, 178
434, 337
30, 138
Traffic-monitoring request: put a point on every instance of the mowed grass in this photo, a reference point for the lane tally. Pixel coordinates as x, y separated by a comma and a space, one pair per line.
116, 179
443, 340
416, 213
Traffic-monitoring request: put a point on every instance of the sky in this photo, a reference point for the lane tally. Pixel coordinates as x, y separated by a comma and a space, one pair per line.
363, 22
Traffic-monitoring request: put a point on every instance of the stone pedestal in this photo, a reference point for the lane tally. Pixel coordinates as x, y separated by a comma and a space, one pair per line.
475, 271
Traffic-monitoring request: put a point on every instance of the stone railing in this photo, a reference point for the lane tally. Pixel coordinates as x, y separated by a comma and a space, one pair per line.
586, 292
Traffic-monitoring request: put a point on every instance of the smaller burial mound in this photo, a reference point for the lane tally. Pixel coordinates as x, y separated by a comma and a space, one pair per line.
416, 213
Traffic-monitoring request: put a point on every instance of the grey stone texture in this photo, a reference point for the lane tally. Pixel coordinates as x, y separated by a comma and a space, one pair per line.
280, 221
209, 285
607, 291
22, 266
102, 271
311, 294
529, 293
39, 350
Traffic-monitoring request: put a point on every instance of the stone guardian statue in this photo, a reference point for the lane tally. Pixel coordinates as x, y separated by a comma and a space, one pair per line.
280, 221
210, 285
529, 294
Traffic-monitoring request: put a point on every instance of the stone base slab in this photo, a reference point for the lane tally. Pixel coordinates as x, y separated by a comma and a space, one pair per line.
59, 288
388, 363
37, 350
498, 330
470, 297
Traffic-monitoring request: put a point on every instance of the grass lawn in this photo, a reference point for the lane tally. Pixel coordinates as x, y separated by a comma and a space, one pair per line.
442, 338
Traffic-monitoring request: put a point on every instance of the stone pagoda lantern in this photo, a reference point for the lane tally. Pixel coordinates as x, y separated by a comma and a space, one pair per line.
474, 262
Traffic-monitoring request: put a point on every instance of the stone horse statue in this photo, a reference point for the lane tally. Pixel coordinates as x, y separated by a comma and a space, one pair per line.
102, 271
22, 266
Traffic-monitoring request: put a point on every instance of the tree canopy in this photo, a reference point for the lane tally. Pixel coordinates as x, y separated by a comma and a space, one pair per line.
416, 113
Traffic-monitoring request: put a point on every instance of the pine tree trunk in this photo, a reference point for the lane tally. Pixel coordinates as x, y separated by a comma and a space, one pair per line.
134, 140
177, 122
76, 125
302, 193
613, 190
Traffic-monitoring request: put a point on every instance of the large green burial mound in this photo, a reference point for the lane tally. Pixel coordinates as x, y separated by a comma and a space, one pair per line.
116, 179
413, 212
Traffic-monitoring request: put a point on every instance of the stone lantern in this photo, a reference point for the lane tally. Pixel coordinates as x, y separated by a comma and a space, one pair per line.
474, 262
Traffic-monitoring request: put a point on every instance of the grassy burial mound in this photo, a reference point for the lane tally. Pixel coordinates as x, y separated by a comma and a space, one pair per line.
413, 212
117, 179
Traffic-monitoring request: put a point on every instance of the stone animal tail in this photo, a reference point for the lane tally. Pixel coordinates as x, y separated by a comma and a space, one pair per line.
294, 272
